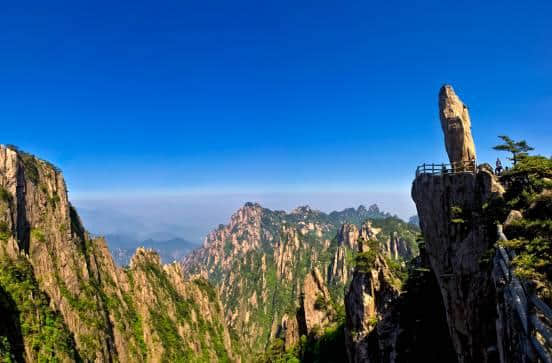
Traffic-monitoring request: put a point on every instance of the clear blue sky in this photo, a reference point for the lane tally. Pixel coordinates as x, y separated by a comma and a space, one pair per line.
266, 96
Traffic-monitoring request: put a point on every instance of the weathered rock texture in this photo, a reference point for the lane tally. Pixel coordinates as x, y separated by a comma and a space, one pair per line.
397, 247
370, 331
315, 301
72, 302
262, 262
512, 342
456, 125
392, 322
459, 238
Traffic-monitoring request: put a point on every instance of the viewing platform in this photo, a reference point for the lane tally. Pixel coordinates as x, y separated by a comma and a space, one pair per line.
469, 166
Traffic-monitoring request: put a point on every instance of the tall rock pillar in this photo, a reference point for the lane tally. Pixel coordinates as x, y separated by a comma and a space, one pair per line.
459, 237
456, 125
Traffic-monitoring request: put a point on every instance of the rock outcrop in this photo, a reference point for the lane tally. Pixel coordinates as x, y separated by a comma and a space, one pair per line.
66, 299
315, 302
315, 311
397, 247
513, 344
458, 238
456, 125
340, 269
370, 331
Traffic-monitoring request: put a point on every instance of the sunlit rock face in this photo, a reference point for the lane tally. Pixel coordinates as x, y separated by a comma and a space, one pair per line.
67, 301
456, 125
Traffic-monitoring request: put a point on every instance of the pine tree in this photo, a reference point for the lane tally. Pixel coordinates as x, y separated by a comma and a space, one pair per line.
519, 149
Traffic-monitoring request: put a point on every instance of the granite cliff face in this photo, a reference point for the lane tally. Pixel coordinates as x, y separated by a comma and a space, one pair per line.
370, 335
391, 317
284, 274
459, 211
315, 303
63, 297
458, 238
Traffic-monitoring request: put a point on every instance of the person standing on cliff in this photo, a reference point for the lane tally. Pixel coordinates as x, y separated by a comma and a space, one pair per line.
498, 170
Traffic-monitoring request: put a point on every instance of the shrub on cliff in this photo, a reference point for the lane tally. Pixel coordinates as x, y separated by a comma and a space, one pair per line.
529, 190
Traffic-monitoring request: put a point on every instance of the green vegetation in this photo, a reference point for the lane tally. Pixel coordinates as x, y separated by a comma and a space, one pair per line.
207, 288
323, 346
398, 269
38, 235
6, 355
456, 214
175, 348
276, 353
168, 327
30, 164
395, 226
320, 303
529, 190
6, 200
518, 149
53, 200
4, 231
43, 329
365, 261
5, 196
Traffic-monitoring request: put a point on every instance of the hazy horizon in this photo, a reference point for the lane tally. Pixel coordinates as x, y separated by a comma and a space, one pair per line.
192, 216
288, 103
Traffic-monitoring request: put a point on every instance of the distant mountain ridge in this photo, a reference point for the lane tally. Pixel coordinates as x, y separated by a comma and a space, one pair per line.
123, 247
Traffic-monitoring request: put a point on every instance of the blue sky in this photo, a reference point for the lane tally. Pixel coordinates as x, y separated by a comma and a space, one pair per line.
184, 98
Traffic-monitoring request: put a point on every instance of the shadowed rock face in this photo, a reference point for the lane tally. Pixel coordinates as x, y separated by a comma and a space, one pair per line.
458, 238
372, 327
456, 125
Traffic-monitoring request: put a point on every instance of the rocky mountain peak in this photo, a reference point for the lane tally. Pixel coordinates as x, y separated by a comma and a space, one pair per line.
143, 256
348, 235
247, 210
374, 209
304, 210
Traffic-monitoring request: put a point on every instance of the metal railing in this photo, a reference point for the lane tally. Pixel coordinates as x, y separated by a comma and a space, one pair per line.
468, 166
535, 316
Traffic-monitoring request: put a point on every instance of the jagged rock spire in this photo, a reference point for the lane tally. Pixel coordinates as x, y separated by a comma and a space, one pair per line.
456, 125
